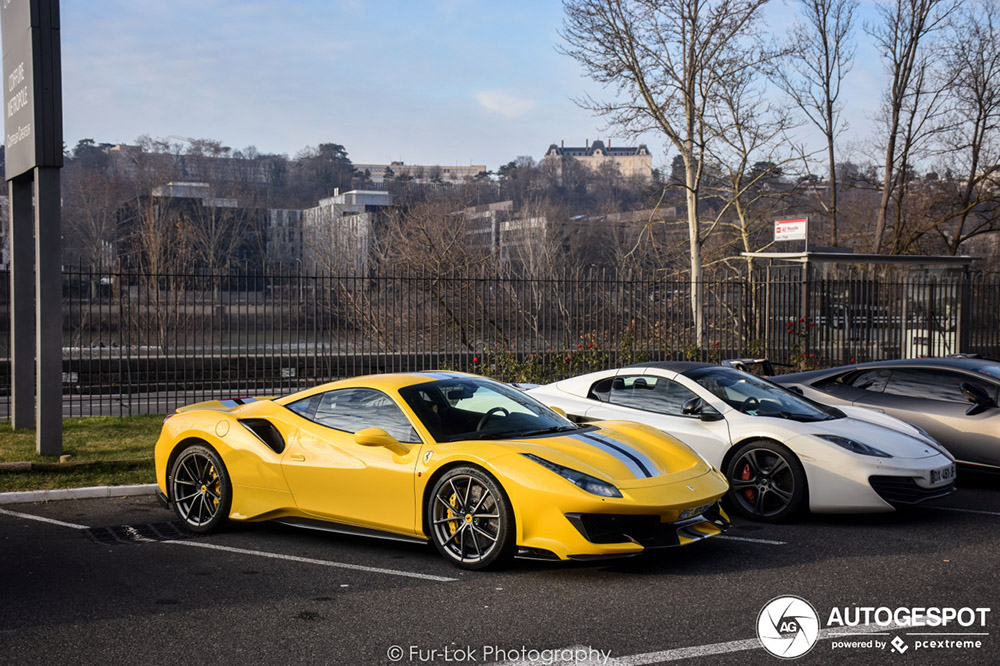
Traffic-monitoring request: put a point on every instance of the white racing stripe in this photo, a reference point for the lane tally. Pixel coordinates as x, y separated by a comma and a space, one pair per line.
767, 541
309, 560
244, 551
41, 519
677, 654
620, 452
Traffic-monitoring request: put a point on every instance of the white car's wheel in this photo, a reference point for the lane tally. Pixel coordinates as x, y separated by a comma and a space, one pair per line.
766, 481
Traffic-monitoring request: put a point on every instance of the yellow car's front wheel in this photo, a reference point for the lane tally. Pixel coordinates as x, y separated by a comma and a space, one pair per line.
200, 490
470, 519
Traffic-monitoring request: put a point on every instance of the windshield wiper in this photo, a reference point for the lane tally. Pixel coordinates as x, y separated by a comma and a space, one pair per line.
803, 418
510, 435
546, 431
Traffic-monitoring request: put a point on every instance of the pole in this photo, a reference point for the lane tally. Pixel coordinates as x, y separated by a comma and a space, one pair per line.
48, 318
22, 303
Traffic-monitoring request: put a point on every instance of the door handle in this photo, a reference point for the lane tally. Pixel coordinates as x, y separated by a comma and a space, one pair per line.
297, 458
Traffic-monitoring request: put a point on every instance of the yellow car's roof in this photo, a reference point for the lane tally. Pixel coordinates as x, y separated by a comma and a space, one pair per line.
390, 381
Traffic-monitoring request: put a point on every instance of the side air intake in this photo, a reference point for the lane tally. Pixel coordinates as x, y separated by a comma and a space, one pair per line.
265, 432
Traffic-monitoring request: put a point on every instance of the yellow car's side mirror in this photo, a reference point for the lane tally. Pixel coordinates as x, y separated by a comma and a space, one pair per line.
379, 437
559, 410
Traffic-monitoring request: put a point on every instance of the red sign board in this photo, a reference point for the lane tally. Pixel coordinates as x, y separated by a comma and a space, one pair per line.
795, 229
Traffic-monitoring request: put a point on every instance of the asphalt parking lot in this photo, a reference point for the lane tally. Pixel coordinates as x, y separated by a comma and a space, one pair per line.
76, 593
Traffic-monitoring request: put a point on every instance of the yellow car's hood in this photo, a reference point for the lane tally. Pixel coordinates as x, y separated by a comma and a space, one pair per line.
627, 454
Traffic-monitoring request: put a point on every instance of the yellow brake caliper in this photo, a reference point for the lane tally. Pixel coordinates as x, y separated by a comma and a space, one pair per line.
216, 487
452, 524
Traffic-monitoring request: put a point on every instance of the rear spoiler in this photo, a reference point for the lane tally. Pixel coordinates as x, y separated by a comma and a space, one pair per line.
763, 367
220, 405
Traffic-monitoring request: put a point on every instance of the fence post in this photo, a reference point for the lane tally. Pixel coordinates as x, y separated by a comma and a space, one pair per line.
804, 305
963, 320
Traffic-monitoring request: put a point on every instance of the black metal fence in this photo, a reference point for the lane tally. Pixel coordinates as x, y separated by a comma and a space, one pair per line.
137, 343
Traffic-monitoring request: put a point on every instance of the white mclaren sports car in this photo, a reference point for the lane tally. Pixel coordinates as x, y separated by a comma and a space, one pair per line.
781, 452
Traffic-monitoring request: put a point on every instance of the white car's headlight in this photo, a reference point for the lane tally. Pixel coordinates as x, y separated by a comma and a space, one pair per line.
587, 482
930, 439
855, 447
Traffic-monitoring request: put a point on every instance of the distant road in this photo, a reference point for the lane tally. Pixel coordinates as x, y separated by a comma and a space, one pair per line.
139, 403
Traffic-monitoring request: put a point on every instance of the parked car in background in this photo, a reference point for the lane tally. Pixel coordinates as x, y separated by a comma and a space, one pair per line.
953, 399
779, 451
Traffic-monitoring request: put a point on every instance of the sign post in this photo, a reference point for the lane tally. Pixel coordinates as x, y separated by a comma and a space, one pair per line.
793, 229
797, 229
32, 87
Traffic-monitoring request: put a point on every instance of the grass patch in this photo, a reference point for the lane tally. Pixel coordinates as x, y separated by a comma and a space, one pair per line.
122, 446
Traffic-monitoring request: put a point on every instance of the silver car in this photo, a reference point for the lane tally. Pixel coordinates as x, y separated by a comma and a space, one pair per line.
953, 399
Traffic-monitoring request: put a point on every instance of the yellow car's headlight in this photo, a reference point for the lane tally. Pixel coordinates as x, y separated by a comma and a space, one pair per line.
586, 482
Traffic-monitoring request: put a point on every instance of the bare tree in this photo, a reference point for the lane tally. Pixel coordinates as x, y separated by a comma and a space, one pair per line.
749, 160
91, 200
667, 60
822, 51
216, 229
913, 100
973, 144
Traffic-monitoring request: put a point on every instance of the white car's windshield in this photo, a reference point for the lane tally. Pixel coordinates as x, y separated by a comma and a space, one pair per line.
758, 397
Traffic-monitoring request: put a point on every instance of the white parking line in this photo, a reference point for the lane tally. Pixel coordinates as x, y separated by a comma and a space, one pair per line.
28, 516
951, 508
258, 553
767, 541
666, 656
309, 560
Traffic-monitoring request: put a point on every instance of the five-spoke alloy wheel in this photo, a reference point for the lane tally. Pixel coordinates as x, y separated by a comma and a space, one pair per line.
200, 489
470, 519
766, 481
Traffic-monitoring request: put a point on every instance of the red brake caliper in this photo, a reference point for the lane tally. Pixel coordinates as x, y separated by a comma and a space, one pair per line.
749, 493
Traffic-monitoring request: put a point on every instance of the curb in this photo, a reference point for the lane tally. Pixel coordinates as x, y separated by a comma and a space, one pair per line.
91, 492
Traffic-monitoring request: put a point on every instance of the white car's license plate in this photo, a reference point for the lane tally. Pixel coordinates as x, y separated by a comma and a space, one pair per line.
943, 474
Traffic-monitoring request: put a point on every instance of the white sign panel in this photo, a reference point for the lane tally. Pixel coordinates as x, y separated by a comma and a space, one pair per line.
786, 230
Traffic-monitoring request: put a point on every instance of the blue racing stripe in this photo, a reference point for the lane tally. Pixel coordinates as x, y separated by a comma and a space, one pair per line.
629, 461
642, 459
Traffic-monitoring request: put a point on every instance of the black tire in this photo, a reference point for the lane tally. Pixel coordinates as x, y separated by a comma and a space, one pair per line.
766, 482
200, 490
470, 519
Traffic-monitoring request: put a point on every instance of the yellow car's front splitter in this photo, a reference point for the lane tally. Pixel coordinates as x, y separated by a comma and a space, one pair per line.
643, 535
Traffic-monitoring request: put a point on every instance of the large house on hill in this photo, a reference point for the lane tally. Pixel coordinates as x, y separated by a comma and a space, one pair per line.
631, 161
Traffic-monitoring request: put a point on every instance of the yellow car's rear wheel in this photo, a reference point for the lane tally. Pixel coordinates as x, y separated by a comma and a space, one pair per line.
470, 519
200, 490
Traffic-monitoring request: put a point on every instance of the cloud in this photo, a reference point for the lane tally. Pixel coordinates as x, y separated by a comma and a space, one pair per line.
505, 104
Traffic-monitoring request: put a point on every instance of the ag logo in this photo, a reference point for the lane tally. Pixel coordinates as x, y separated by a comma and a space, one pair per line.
788, 627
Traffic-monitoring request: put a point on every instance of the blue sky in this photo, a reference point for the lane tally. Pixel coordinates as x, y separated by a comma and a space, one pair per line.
426, 81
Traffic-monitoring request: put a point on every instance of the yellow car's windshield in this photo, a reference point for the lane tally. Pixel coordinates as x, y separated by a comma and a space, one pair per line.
474, 408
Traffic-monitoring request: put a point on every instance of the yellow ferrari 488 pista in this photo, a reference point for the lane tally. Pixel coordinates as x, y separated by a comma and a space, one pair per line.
477, 467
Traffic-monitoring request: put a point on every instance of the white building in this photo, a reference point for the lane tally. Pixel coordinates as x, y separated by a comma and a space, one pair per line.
338, 234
